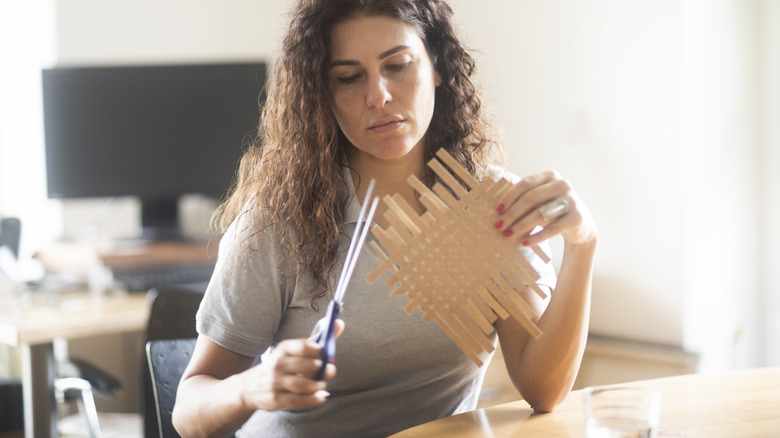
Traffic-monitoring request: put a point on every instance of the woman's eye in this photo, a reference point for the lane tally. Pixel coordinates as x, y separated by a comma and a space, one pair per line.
348, 79
398, 67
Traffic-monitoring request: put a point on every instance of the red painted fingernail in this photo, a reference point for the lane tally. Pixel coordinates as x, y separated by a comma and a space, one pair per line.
526, 243
501, 208
499, 224
508, 232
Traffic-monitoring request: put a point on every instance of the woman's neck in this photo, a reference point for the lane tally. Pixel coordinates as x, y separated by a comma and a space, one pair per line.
390, 178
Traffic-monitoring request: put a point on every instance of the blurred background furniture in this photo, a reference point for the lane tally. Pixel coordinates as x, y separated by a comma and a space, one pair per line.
75, 315
73, 379
77, 381
171, 276
172, 316
64, 389
10, 232
167, 360
12, 417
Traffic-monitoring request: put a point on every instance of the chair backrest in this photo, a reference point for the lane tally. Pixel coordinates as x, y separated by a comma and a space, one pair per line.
167, 360
172, 316
10, 234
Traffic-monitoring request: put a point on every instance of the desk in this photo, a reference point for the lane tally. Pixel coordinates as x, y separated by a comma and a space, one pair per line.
743, 403
72, 315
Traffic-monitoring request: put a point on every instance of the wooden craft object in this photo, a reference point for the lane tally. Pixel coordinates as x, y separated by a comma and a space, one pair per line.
451, 262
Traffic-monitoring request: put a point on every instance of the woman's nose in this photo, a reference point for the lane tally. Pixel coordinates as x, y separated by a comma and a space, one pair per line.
377, 94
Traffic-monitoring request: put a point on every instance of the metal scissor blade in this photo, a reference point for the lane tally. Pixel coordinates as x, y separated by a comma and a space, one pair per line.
327, 325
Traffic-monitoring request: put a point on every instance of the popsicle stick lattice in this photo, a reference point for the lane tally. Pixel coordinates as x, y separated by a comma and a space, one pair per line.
450, 261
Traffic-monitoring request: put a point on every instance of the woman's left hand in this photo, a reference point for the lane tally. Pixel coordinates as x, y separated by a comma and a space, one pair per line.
546, 200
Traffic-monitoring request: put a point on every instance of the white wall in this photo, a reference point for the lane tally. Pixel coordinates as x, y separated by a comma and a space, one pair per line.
651, 108
722, 257
769, 101
100, 32
26, 44
595, 89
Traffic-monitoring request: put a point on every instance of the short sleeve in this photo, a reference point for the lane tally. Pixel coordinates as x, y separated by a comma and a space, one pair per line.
247, 294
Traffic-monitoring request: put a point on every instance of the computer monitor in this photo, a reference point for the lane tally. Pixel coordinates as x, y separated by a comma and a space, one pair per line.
152, 132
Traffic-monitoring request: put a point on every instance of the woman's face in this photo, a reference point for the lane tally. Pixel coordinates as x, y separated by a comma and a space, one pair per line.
382, 83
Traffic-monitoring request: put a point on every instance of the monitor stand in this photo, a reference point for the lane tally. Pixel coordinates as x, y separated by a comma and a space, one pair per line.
160, 220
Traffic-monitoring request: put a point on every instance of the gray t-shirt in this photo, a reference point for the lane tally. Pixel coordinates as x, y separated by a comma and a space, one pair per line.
394, 370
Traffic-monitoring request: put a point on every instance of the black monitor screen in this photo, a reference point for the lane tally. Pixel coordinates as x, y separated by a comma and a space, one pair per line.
155, 132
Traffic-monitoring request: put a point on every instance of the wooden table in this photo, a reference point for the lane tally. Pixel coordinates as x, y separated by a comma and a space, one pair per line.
70, 315
743, 403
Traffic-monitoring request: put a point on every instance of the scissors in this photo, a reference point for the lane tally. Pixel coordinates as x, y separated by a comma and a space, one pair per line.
325, 338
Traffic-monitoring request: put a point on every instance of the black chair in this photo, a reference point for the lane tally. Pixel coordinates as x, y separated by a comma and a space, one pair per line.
11, 402
167, 360
172, 316
10, 234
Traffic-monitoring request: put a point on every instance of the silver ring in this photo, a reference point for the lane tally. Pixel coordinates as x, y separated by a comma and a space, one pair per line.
553, 209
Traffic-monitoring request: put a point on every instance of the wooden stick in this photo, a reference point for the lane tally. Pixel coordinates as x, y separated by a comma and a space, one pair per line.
451, 263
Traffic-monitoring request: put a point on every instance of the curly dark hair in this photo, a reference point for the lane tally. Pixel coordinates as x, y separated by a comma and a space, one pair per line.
291, 177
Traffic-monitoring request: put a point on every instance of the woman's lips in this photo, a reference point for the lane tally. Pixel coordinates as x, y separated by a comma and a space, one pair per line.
386, 124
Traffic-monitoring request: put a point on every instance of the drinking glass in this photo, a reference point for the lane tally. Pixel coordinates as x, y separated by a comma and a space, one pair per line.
621, 412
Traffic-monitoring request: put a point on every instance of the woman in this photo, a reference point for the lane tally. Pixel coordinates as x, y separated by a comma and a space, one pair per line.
365, 89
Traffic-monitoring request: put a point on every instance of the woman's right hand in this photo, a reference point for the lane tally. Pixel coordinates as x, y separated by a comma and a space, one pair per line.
284, 380
220, 390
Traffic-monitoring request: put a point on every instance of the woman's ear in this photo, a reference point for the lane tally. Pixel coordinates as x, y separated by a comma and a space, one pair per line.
436, 78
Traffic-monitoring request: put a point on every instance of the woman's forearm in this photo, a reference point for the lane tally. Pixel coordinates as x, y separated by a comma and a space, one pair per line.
547, 367
209, 407
220, 389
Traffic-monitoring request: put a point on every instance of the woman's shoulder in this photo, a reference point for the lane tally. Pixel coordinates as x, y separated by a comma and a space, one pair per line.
249, 230
252, 244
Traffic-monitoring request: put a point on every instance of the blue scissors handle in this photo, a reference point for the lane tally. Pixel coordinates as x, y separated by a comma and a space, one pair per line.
326, 338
